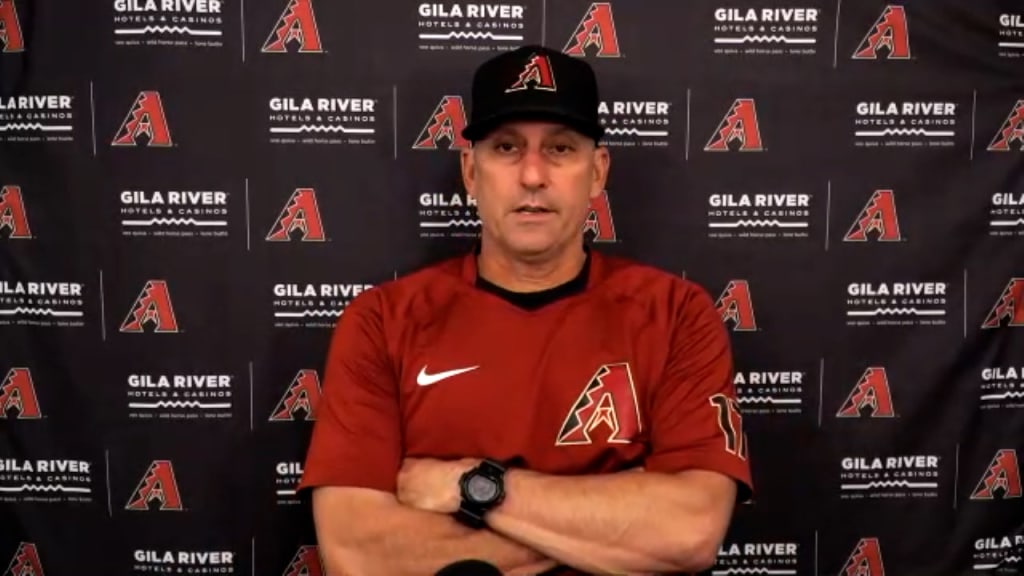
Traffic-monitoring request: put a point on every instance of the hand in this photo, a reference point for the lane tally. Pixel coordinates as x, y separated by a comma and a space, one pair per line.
432, 485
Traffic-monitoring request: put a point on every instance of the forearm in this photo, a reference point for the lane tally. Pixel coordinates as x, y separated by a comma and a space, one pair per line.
632, 522
402, 541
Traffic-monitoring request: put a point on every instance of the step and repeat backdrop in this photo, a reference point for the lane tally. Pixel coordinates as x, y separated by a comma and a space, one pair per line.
191, 191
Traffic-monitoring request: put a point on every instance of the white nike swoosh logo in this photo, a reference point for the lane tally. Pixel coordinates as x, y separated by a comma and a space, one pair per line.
424, 379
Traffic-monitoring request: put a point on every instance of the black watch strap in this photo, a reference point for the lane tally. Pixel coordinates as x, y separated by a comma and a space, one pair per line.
492, 467
470, 515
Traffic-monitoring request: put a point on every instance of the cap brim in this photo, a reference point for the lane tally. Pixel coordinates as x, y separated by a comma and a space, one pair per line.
479, 129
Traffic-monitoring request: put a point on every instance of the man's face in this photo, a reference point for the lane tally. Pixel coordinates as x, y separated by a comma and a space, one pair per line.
533, 182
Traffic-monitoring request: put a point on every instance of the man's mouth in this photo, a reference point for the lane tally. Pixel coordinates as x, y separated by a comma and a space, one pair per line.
533, 210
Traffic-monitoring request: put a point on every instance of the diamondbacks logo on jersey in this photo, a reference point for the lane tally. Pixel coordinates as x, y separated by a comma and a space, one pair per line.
740, 124
865, 560
735, 305
871, 392
1009, 307
306, 562
302, 395
1011, 134
596, 28
878, 219
730, 422
1001, 479
25, 561
599, 220
145, 117
889, 31
152, 307
609, 398
445, 123
11, 38
13, 219
537, 74
297, 24
302, 212
159, 484
18, 393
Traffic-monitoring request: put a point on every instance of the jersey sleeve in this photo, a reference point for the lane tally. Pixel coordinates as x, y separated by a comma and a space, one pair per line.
695, 417
356, 438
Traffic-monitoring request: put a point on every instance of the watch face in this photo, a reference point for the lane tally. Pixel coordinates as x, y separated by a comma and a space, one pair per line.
482, 489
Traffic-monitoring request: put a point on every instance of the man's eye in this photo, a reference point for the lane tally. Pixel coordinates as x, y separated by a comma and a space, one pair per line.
562, 148
504, 147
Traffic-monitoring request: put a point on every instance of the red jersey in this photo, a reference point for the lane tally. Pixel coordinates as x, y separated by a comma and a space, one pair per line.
635, 370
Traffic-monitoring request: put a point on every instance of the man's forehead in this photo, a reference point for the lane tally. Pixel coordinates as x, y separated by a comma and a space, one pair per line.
528, 128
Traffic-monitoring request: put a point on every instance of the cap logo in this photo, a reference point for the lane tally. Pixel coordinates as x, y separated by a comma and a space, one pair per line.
536, 74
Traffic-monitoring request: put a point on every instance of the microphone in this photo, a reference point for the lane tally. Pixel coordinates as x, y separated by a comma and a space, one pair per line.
469, 568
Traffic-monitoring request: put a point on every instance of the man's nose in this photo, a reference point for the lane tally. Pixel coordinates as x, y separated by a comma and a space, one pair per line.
533, 169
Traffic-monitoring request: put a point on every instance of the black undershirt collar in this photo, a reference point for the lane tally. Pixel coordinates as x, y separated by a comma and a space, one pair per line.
541, 298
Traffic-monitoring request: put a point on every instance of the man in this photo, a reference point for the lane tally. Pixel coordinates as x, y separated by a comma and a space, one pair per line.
534, 404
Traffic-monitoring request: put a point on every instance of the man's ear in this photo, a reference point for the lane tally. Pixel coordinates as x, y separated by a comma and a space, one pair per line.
468, 167
602, 162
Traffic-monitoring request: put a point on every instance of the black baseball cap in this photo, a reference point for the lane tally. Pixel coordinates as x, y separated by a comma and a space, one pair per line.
534, 83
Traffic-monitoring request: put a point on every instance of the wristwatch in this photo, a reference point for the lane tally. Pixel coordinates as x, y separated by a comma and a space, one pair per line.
482, 488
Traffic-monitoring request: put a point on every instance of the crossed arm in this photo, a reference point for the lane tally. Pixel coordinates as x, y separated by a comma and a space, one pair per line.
363, 531
622, 523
